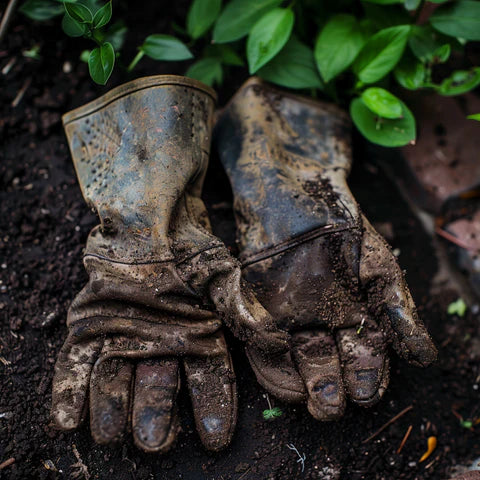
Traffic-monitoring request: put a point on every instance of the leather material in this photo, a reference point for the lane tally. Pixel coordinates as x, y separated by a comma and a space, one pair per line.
159, 280
317, 264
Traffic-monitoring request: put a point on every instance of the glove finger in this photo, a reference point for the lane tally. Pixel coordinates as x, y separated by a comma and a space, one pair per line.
365, 363
244, 314
213, 392
389, 295
154, 417
318, 362
71, 382
278, 375
110, 387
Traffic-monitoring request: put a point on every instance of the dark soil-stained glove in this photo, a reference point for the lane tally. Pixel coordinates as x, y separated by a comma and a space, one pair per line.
318, 265
158, 279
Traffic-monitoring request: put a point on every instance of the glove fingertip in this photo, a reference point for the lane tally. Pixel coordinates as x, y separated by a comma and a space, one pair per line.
63, 418
418, 350
271, 342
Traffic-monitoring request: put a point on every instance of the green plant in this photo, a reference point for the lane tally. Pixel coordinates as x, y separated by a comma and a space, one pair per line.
354, 58
458, 307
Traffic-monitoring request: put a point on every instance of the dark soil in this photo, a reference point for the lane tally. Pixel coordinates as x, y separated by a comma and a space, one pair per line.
43, 227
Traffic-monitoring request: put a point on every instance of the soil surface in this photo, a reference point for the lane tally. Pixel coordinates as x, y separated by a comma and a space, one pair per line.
44, 224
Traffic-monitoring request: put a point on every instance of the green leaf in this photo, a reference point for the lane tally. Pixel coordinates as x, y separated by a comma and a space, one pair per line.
458, 307
381, 53
207, 70
442, 54
458, 19
100, 63
79, 12
427, 46
410, 73
72, 28
229, 56
84, 56
41, 9
103, 16
165, 47
293, 67
337, 46
382, 103
384, 2
238, 17
225, 53
383, 131
412, 4
459, 82
466, 423
116, 35
475, 116
201, 16
272, 413
268, 36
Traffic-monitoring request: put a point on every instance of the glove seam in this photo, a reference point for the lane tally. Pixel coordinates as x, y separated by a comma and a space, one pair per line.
292, 243
153, 262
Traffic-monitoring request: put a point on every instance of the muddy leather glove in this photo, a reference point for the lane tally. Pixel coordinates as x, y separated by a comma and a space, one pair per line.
317, 264
158, 279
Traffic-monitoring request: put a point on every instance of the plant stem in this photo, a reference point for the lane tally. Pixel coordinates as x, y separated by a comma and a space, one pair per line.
97, 38
134, 62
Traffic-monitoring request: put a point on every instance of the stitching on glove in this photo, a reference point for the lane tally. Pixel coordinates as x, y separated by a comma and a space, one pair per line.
293, 242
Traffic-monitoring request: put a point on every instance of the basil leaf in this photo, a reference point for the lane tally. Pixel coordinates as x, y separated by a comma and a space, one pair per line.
207, 70
201, 16
72, 27
100, 63
410, 73
225, 53
165, 47
79, 12
238, 17
381, 53
475, 116
293, 67
103, 16
426, 44
338, 44
459, 82
412, 4
382, 103
41, 9
383, 131
458, 19
268, 36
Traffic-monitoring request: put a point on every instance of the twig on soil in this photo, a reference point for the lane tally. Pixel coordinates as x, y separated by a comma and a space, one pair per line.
6, 69
245, 473
7, 16
453, 239
7, 463
301, 459
21, 92
82, 468
432, 462
405, 438
392, 420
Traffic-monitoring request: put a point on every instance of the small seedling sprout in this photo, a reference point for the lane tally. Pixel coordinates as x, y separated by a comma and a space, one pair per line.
458, 307
272, 412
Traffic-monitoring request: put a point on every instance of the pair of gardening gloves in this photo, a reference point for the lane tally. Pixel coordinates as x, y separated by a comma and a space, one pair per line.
316, 296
